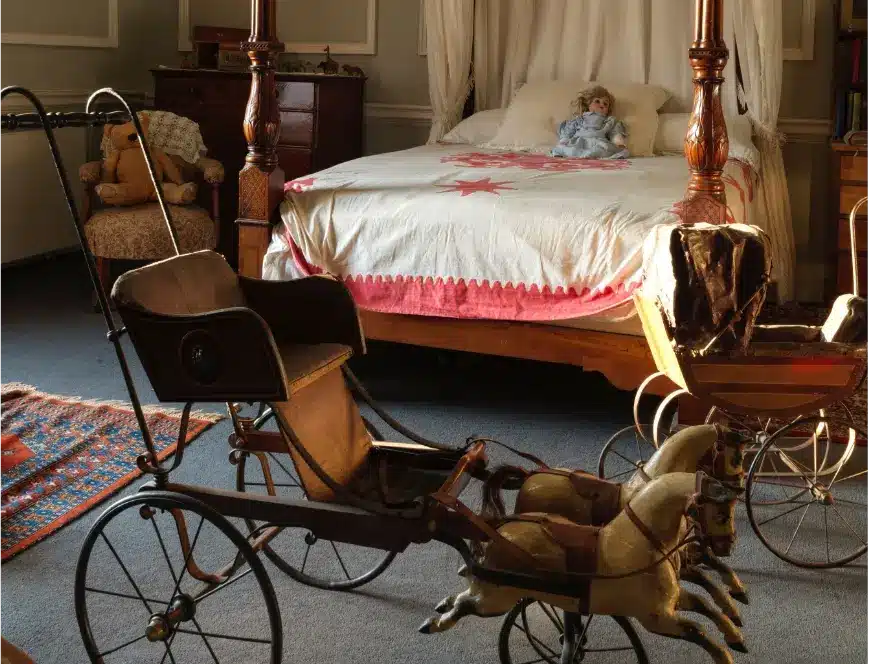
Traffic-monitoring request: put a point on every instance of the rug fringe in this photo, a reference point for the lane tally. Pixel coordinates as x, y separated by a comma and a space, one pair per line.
8, 389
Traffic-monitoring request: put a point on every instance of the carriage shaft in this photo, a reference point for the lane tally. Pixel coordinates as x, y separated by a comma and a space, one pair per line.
339, 523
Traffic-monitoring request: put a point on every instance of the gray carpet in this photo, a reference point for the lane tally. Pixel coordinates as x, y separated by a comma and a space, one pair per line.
51, 339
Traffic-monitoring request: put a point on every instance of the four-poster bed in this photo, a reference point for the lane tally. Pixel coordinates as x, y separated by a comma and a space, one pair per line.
623, 358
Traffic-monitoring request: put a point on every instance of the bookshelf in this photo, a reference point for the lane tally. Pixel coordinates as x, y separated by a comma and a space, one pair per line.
849, 83
848, 145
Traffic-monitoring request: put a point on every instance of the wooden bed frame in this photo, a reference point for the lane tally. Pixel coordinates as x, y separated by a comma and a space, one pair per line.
624, 359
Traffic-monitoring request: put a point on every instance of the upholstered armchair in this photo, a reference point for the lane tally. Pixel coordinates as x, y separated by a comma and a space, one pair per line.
138, 232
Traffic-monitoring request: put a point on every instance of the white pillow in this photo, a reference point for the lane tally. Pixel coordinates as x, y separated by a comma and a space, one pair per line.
476, 129
672, 128
533, 116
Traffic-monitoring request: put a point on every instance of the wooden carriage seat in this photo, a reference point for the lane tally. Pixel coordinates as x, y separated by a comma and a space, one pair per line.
313, 328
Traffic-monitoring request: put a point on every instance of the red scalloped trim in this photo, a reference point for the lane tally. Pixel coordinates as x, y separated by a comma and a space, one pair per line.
457, 298
426, 296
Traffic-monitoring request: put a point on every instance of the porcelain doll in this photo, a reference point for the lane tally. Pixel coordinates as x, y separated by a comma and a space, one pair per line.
593, 132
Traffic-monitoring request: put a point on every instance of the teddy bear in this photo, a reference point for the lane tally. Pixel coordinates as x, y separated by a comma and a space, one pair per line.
125, 179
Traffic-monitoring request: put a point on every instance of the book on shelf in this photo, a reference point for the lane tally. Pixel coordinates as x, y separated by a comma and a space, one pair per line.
856, 138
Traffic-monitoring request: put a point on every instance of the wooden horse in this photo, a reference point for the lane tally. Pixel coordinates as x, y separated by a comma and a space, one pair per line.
585, 499
635, 541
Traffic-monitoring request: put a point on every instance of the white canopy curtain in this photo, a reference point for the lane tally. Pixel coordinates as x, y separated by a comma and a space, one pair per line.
450, 38
757, 27
511, 42
640, 41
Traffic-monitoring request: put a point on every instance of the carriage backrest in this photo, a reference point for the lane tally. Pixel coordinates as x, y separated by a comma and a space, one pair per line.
194, 283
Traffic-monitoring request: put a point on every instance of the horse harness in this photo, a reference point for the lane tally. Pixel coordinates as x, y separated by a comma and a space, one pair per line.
603, 496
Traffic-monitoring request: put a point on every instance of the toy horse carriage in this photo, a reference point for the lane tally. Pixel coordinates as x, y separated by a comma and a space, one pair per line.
785, 387
204, 334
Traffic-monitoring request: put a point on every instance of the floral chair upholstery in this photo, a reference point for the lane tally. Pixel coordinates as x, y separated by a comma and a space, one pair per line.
138, 232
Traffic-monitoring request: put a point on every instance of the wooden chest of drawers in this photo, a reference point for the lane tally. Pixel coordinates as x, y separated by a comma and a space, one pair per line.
849, 180
321, 124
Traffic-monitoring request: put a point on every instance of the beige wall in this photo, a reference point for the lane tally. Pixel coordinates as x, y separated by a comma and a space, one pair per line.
33, 212
397, 87
806, 95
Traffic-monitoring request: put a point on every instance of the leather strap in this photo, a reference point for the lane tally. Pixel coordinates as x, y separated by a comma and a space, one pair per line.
522, 557
649, 535
643, 475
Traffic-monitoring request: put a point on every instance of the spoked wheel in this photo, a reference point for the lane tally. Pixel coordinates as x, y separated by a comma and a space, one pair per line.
296, 551
807, 511
164, 578
628, 450
533, 632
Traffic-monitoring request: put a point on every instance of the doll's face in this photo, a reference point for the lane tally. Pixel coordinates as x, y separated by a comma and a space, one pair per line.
599, 105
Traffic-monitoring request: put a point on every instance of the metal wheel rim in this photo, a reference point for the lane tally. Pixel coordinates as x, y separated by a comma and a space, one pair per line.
758, 520
638, 397
641, 442
519, 613
164, 500
350, 582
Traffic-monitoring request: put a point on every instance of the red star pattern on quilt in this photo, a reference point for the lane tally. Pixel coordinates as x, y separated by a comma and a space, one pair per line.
468, 187
299, 185
534, 162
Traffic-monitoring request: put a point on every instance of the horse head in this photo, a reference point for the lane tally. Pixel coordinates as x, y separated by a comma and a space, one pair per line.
712, 508
724, 461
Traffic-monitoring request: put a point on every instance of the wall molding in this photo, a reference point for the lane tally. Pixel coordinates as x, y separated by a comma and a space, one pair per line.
422, 36
56, 99
805, 130
184, 41
409, 113
806, 49
111, 40
368, 47
795, 129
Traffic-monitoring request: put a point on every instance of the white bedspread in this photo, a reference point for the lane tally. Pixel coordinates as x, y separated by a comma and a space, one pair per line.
459, 231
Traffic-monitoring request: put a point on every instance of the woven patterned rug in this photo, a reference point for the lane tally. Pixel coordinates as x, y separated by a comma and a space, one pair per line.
62, 456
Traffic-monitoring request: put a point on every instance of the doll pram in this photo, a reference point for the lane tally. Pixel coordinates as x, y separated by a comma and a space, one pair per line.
777, 384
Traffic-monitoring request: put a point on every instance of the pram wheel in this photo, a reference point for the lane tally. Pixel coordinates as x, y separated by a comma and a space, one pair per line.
534, 632
296, 551
626, 451
806, 510
194, 570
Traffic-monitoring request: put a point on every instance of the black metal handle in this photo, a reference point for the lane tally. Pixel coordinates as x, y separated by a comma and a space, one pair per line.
59, 120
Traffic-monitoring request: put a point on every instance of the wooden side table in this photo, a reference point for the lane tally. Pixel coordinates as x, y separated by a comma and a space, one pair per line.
849, 181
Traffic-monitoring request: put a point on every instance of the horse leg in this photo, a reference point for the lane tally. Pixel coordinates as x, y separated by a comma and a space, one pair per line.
676, 627
728, 576
446, 604
463, 604
697, 576
689, 601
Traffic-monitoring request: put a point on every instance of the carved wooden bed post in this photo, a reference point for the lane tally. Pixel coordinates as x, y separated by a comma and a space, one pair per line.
706, 145
260, 183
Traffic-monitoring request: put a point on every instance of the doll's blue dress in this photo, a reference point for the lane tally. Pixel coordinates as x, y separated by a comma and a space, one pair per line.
590, 135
